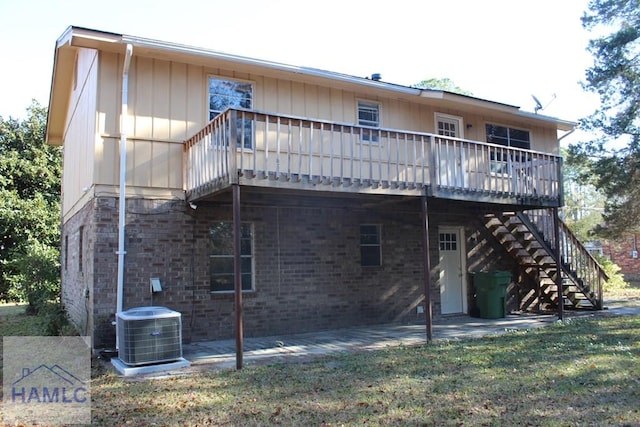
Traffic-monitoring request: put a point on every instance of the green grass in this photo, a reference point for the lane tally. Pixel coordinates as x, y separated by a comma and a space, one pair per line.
14, 321
623, 295
582, 372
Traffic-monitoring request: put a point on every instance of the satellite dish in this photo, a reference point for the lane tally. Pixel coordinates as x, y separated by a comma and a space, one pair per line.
538, 106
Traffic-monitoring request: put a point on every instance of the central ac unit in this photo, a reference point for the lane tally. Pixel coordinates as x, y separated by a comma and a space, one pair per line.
149, 335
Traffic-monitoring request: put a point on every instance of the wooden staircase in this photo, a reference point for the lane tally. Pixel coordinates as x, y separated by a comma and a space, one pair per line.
529, 237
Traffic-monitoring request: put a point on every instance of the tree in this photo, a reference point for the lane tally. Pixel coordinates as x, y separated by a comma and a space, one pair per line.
30, 177
612, 159
445, 84
584, 204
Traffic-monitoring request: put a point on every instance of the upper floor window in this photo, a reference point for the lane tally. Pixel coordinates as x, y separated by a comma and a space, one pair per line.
507, 136
502, 163
369, 115
221, 257
228, 93
224, 94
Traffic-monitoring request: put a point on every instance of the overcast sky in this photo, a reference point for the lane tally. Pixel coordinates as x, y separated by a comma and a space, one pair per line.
502, 50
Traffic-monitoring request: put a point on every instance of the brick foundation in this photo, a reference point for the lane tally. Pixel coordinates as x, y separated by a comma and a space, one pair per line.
307, 272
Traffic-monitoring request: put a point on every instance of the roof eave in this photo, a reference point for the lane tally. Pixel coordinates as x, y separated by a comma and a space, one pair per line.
82, 37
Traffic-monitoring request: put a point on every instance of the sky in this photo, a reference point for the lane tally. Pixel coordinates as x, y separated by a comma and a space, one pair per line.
501, 50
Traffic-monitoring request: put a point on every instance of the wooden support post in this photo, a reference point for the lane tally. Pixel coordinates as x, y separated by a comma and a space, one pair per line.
427, 270
237, 276
556, 230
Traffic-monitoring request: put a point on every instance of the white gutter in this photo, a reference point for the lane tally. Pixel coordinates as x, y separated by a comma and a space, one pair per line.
123, 177
567, 134
212, 54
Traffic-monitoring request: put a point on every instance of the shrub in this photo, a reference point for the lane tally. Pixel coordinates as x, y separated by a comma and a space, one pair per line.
37, 277
616, 280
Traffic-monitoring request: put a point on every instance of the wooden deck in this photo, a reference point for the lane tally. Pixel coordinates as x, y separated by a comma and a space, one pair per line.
255, 148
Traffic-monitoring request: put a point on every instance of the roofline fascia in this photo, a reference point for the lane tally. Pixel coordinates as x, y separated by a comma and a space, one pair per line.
562, 124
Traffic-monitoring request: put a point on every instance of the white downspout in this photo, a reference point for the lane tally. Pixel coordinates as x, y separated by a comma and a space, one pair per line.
123, 177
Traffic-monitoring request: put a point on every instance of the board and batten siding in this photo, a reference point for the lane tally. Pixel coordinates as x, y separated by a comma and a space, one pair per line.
80, 136
167, 104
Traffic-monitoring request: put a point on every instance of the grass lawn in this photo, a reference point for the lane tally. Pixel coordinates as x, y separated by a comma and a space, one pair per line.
14, 321
629, 295
582, 372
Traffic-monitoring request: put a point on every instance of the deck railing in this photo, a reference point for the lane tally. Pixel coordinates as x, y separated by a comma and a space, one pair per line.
258, 148
578, 264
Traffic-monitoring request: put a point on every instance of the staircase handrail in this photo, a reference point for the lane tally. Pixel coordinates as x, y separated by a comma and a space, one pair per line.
570, 243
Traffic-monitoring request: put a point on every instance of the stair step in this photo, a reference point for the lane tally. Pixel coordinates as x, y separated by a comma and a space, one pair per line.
511, 230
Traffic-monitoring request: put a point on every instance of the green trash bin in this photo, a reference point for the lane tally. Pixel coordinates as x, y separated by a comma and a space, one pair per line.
491, 293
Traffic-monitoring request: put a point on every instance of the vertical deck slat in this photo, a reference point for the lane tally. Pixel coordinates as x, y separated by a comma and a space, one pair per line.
321, 149
278, 124
299, 171
397, 176
341, 154
331, 159
265, 138
311, 135
351, 154
289, 147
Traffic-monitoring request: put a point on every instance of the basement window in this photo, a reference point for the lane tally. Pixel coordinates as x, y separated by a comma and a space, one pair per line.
370, 247
80, 246
66, 251
221, 257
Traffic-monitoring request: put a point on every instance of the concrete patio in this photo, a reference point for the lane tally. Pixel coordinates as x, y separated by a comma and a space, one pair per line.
211, 355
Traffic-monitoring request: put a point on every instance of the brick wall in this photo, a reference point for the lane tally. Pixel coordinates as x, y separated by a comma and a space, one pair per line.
307, 269
306, 256
77, 271
621, 253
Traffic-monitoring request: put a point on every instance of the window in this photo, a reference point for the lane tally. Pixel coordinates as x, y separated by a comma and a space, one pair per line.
225, 94
66, 251
508, 137
448, 242
80, 246
447, 125
221, 257
370, 254
369, 115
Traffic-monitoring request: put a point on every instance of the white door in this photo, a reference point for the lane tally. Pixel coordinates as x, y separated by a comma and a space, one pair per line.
453, 292
450, 152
